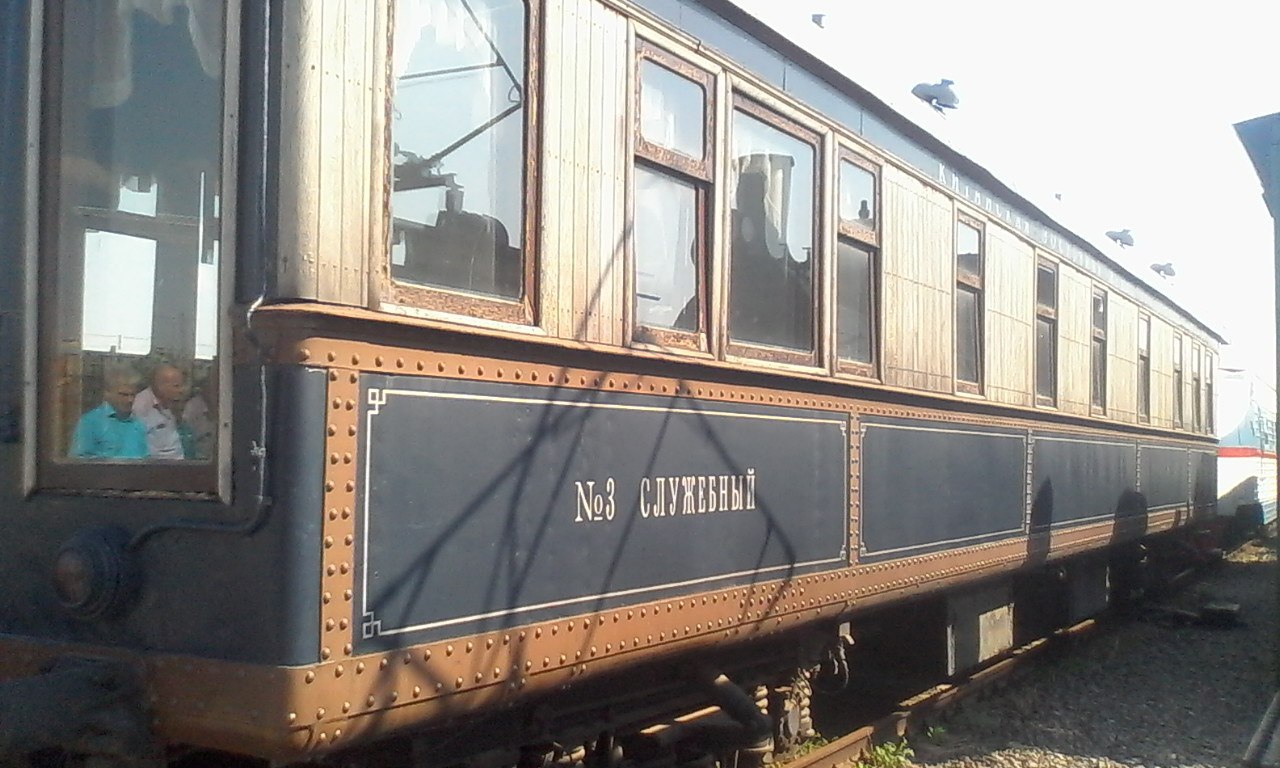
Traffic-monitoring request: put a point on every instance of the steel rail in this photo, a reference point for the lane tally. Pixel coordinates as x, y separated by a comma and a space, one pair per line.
931, 702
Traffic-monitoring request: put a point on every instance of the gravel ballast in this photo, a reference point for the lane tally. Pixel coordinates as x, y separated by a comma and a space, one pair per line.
1150, 692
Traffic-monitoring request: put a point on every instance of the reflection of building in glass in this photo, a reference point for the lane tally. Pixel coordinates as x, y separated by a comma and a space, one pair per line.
458, 173
772, 279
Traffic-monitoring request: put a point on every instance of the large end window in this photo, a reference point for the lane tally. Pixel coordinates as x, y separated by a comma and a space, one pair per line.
459, 177
1098, 353
772, 254
1046, 333
857, 266
672, 186
969, 305
1144, 368
132, 243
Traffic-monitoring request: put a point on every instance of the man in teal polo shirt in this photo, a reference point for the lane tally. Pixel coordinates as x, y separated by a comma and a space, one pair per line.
111, 431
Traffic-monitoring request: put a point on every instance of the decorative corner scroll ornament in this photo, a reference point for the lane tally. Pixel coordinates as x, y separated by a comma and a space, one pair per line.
371, 626
377, 399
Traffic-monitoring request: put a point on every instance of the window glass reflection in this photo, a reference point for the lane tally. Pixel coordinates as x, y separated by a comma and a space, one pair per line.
1047, 287
857, 195
968, 250
1098, 390
854, 304
672, 114
1046, 357
458, 133
119, 293
967, 335
666, 254
138, 159
771, 295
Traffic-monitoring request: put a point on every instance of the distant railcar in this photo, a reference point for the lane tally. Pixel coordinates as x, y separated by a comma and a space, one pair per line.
500, 376
1246, 432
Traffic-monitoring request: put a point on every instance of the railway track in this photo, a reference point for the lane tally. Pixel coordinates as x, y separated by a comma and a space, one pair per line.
913, 711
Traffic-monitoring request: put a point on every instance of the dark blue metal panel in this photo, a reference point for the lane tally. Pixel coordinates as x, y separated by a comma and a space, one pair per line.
486, 505
927, 486
1204, 479
1077, 479
293, 557
1165, 475
14, 32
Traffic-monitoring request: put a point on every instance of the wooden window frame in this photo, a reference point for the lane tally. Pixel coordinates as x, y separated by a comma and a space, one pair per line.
752, 107
869, 239
700, 174
1144, 385
1051, 315
852, 229
143, 478
522, 311
1097, 334
1177, 380
977, 285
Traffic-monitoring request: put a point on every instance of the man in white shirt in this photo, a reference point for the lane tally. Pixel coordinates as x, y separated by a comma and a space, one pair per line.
154, 408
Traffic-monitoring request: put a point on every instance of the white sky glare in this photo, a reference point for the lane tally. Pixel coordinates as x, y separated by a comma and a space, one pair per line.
1125, 109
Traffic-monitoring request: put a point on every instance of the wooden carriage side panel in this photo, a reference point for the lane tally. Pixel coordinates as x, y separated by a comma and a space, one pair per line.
330, 74
1075, 297
917, 263
1188, 391
1161, 373
1010, 280
610, 175
1122, 359
556, 90
584, 171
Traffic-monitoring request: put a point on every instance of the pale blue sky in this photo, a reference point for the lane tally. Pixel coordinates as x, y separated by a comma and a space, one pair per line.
1124, 108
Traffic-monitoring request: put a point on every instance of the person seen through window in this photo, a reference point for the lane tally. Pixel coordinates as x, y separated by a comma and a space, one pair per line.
111, 431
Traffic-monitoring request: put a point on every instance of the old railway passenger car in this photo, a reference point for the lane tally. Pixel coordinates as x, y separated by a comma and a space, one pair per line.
522, 368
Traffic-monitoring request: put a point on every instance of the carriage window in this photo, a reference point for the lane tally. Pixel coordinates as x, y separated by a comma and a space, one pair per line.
1144, 368
969, 305
135, 131
855, 303
458, 147
1177, 380
672, 110
772, 294
857, 266
1209, 426
672, 185
1098, 387
1197, 399
1046, 333
857, 195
